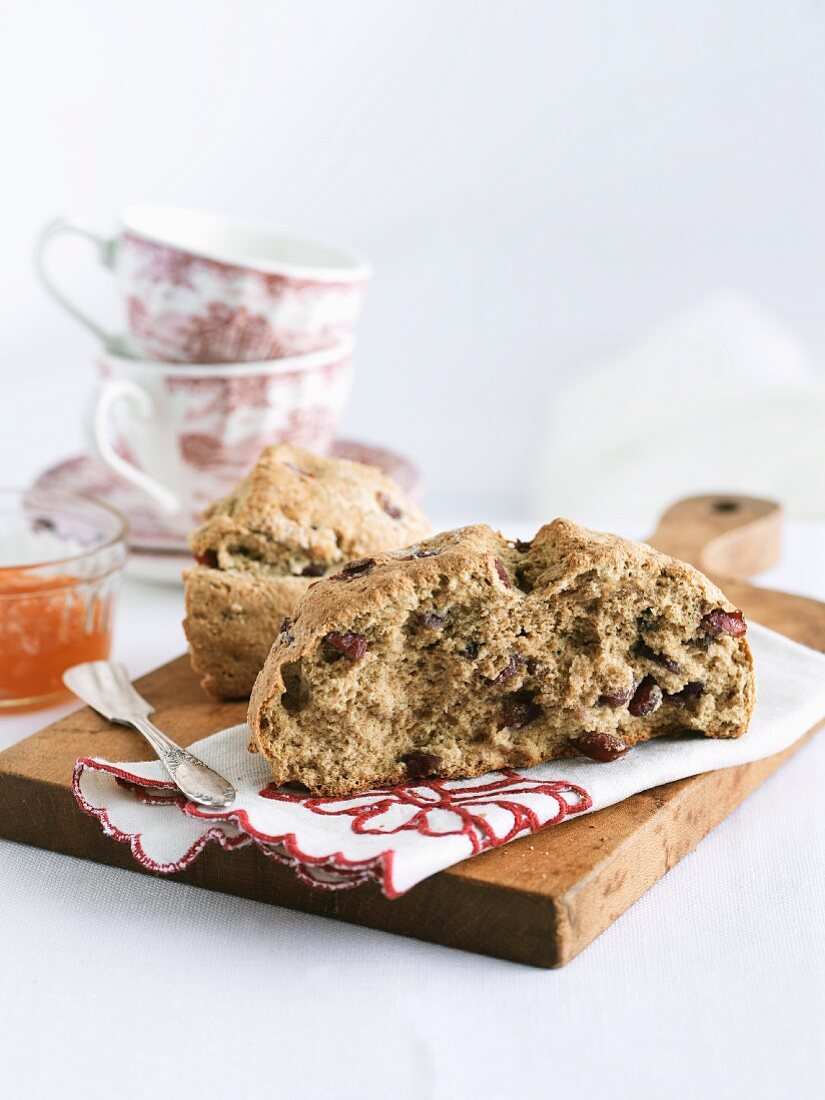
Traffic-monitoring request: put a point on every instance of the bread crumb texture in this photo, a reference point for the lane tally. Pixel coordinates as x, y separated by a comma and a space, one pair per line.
467, 653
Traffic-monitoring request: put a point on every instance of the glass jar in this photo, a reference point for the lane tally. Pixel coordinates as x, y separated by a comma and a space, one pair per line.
61, 558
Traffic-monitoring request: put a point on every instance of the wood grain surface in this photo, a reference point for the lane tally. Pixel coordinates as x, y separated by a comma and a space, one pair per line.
539, 900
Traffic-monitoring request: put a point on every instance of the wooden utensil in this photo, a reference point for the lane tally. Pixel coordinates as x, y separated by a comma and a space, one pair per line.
538, 900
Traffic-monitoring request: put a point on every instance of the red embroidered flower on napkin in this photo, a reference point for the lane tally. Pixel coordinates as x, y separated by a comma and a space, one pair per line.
438, 808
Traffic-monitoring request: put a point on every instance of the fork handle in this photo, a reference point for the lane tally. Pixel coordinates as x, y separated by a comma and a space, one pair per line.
197, 781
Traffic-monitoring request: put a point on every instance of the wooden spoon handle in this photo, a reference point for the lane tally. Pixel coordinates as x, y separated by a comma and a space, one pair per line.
724, 535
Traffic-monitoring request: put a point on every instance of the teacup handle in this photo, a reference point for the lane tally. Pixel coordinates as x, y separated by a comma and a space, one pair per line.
105, 248
123, 389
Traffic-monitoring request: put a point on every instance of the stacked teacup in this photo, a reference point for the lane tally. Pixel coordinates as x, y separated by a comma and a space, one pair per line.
236, 338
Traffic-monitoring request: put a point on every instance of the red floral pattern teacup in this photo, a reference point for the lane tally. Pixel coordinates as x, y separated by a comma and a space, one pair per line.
187, 434
197, 288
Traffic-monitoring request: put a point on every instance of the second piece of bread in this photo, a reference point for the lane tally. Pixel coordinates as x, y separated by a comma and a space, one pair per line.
295, 518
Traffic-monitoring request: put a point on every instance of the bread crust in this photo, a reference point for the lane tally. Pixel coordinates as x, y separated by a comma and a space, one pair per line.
295, 517
481, 653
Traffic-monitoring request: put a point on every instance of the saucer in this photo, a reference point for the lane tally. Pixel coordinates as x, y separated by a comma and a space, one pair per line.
157, 566
157, 548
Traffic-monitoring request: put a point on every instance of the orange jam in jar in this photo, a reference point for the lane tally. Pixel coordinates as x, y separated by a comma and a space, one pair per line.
61, 556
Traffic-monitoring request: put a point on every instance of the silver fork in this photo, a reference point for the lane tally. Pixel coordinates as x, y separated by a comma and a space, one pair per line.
105, 687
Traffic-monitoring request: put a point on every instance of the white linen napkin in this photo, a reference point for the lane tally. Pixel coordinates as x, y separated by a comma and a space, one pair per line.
402, 835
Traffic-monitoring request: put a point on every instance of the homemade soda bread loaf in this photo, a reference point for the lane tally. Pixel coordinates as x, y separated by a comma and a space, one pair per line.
293, 519
468, 653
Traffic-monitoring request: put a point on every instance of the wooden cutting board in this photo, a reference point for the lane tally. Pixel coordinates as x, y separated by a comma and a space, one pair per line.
538, 900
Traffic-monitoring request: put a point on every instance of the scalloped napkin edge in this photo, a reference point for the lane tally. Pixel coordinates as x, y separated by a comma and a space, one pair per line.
400, 836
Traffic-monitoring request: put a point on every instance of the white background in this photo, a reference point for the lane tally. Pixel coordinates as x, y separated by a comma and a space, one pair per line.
535, 183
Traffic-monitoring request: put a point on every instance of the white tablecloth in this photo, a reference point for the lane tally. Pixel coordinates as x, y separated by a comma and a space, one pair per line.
115, 984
